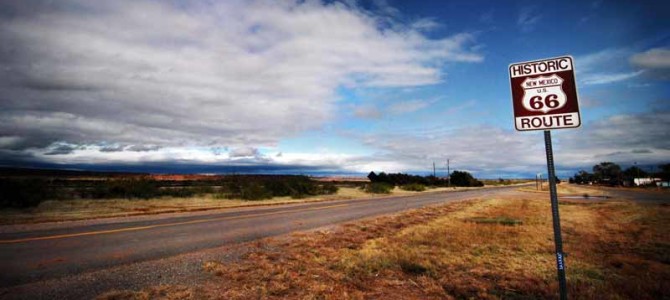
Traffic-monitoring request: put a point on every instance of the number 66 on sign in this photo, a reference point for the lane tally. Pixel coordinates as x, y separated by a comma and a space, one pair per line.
544, 94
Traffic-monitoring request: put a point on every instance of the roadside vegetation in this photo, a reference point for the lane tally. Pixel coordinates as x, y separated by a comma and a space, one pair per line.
383, 183
609, 173
30, 196
414, 187
267, 187
503, 182
25, 193
497, 248
22, 193
378, 188
28, 190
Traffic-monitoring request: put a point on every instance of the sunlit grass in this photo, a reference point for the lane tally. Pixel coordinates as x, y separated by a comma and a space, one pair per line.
615, 250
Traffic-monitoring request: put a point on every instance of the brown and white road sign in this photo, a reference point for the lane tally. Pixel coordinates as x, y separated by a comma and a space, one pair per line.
544, 94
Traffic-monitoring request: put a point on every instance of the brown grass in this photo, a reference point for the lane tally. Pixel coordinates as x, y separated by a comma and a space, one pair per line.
82, 209
485, 249
162, 292
565, 189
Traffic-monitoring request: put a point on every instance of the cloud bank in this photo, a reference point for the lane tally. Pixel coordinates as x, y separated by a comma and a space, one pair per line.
138, 76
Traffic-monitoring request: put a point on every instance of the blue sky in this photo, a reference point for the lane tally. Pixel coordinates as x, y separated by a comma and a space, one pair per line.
334, 87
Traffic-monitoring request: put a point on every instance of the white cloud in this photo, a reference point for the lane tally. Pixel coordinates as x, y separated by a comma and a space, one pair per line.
367, 112
656, 58
232, 73
475, 149
425, 24
619, 138
528, 17
485, 150
604, 67
244, 152
488, 151
600, 78
593, 62
409, 106
655, 61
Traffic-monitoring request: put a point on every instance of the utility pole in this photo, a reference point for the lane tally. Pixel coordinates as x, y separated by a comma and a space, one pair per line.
434, 169
638, 175
448, 174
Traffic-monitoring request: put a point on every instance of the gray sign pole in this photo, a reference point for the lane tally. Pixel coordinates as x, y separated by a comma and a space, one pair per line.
558, 241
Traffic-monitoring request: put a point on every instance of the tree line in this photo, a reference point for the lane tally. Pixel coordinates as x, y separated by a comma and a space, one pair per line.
610, 173
386, 181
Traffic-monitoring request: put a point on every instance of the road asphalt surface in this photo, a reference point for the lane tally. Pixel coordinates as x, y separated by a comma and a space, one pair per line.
32, 256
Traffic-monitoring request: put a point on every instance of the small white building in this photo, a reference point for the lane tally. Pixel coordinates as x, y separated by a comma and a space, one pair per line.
646, 181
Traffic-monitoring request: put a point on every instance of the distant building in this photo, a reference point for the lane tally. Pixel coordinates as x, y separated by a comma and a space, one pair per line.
646, 181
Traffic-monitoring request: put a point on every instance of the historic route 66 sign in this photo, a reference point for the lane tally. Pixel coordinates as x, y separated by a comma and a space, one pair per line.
544, 94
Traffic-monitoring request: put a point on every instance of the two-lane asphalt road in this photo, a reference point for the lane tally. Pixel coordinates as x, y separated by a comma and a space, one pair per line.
31, 256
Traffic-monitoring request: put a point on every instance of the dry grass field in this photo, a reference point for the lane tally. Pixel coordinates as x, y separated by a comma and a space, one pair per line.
82, 209
483, 249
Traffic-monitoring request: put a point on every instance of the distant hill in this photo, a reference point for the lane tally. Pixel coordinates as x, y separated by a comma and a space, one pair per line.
27, 172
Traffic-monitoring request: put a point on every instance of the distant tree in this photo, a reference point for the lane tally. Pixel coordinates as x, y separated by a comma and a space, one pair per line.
665, 172
583, 177
462, 178
401, 179
378, 188
23, 193
607, 172
634, 172
383, 177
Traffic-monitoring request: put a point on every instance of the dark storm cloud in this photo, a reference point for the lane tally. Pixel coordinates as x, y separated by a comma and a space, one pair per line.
143, 148
63, 149
111, 148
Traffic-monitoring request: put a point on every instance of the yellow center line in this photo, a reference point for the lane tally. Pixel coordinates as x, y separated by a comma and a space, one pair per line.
62, 236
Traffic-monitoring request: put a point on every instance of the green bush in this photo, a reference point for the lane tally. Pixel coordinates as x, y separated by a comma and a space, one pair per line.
23, 193
265, 187
414, 187
462, 178
254, 191
185, 191
328, 189
378, 188
126, 188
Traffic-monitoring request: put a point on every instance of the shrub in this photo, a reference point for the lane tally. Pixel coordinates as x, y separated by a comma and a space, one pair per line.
329, 189
265, 187
378, 188
181, 192
126, 188
255, 191
462, 178
23, 193
414, 187
404, 179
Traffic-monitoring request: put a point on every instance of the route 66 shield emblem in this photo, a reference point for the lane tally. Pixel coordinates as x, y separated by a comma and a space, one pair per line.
543, 93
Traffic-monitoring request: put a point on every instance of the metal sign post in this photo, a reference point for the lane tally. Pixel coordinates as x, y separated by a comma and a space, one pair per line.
558, 240
544, 96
